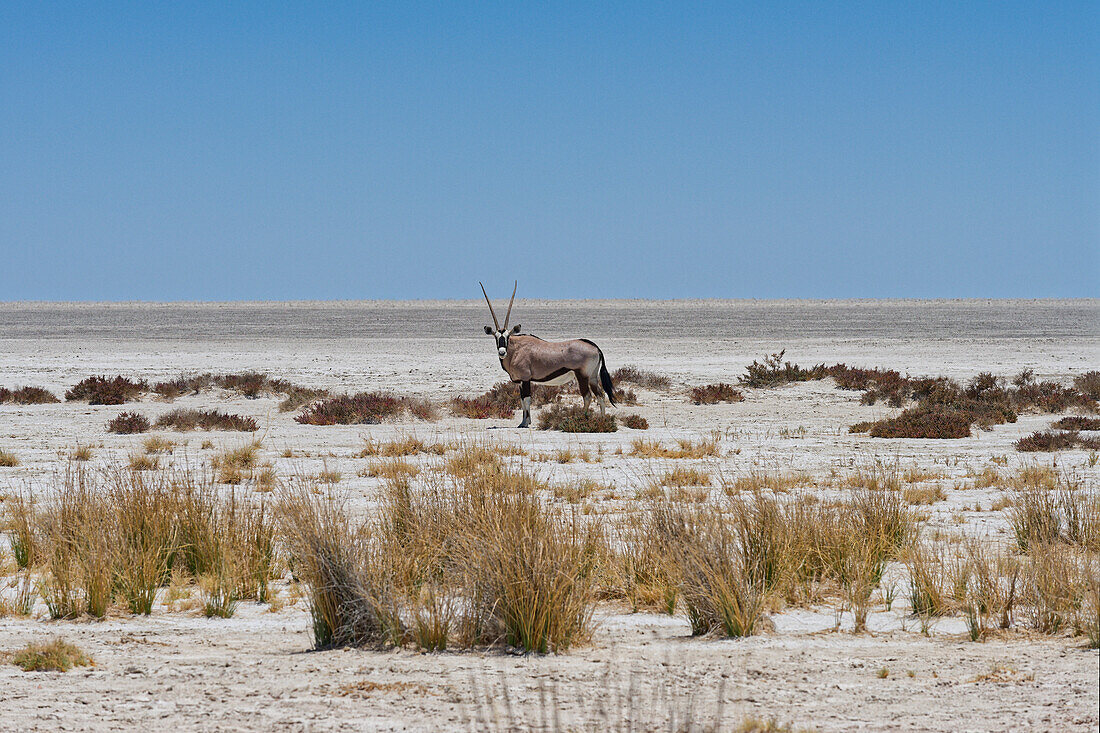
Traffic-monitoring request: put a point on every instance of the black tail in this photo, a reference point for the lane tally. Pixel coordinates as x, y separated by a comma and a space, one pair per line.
605, 378
605, 381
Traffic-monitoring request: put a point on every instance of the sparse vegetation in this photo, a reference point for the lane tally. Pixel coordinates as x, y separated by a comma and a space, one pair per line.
772, 371
712, 394
1056, 440
1077, 422
575, 419
364, 408
27, 396
503, 400
182, 420
57, 655
635, 422
8, 459
641, 378
685, 448
248, 384
128, 423
103, 391
521, 568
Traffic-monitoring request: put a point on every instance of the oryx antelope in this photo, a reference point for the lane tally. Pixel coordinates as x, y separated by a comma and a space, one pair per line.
529, 359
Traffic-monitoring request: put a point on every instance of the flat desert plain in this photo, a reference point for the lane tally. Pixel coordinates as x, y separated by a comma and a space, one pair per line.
640, 668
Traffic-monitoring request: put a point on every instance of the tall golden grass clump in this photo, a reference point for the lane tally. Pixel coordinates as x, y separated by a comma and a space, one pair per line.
116, 535
730, 561
471, 558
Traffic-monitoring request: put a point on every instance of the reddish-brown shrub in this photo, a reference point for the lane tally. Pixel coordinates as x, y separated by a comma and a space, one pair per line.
27, 396
502, 400
575, 419
920, 422
364, 408
127, 423
480, 408
183, 385
104, 391
1049, 440
773, 371
646, 380
183, 420
1088, 384
710, 394
635, 422
1076, 422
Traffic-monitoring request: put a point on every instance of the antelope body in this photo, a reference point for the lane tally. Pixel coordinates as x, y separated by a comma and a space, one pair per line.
528, 359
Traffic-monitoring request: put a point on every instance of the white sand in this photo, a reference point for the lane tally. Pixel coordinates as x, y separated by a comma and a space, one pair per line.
252, 672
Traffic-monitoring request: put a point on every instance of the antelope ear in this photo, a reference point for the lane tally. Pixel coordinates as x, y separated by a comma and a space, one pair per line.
515, 328
489, 330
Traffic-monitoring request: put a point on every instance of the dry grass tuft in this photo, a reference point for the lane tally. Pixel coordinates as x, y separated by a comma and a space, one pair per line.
54, 656
155, 444
27, 396
407, 445
143, 462
712, 394
685, 448
477, 561
392, 470
81, 453
127, 423
635, 422
183, 420
684, 477
8, 459
574, 419
923, 495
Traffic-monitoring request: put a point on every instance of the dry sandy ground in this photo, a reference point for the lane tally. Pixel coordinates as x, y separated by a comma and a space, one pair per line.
255, 671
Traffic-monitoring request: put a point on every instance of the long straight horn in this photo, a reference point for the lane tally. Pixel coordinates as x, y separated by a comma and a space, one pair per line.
508, 315
491, 311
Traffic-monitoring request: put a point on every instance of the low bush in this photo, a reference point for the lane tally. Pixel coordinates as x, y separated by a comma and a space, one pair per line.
1050, 440
183, 420
364, 408
127, 423
773, 371
711, 394
183, 385
482, 407
104, 391
503, 400
635, 422
641, 378
53, 656
1088, 384
27, 396
575, 419
1077, 422
918, 422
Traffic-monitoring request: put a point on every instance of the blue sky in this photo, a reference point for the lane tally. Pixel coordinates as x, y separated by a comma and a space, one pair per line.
237, 151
